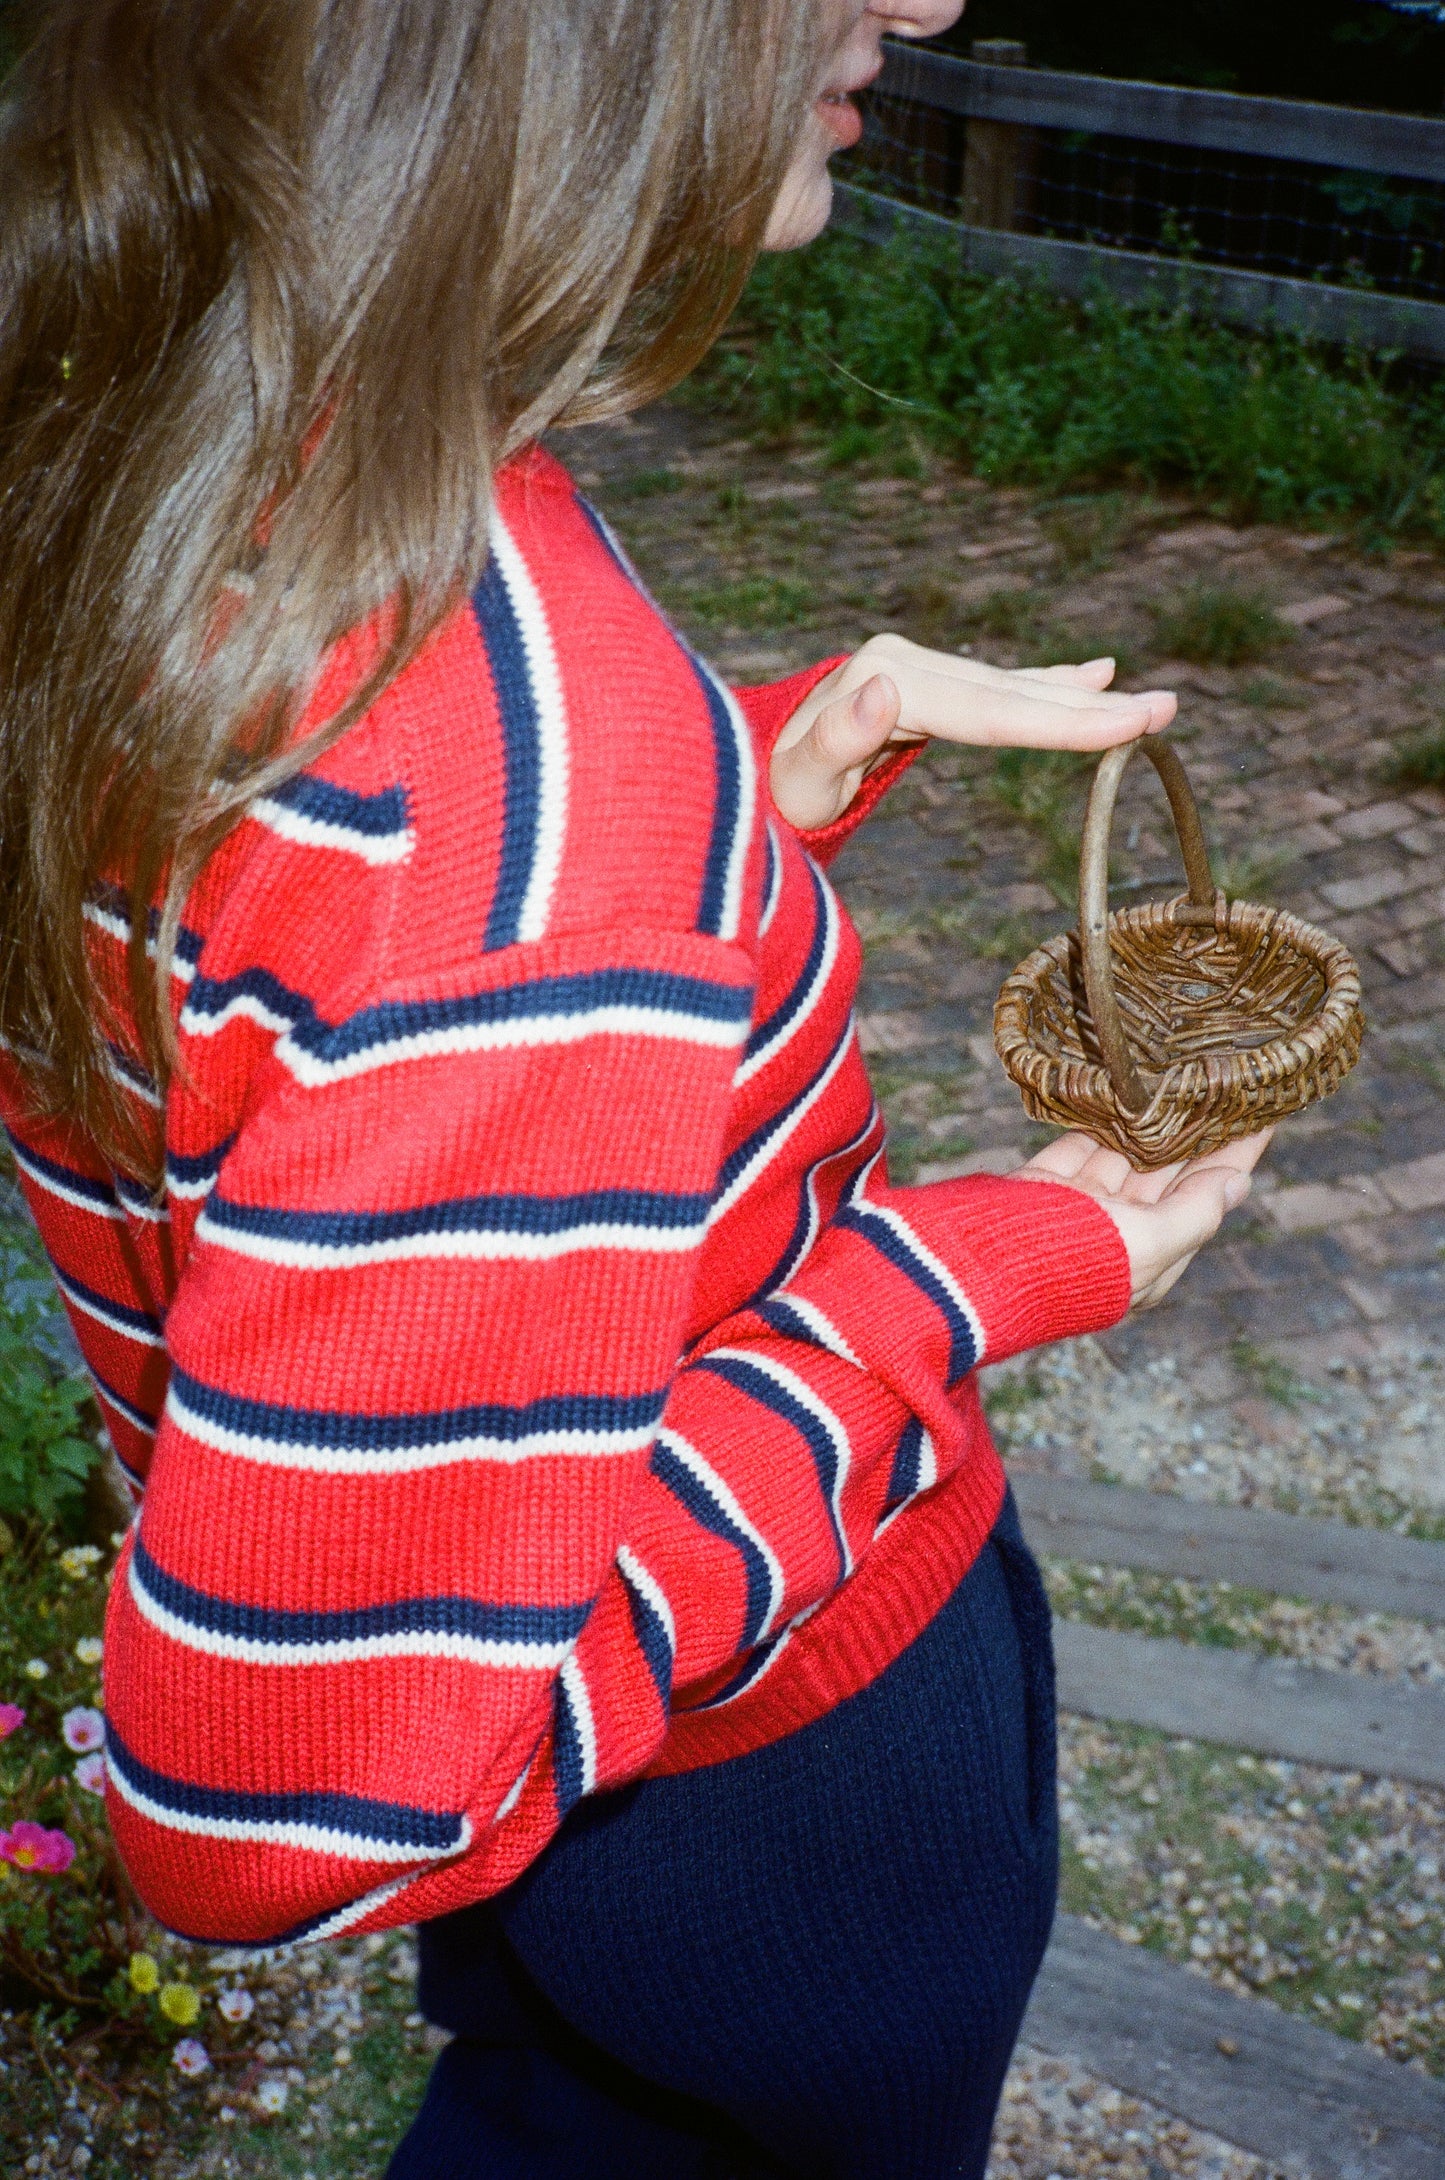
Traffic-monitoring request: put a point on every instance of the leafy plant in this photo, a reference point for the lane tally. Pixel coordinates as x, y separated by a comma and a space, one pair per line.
45, 1454
754, 601
1218, 624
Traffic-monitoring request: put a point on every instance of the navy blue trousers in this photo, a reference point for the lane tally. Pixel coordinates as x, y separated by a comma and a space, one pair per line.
806, 1964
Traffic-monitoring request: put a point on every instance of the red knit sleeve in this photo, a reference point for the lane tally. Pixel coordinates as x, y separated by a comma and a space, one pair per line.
770, 706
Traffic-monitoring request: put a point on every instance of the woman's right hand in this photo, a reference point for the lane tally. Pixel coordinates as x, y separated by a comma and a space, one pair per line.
1163, 1218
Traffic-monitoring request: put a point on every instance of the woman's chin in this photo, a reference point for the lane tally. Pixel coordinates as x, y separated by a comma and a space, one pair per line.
802, 211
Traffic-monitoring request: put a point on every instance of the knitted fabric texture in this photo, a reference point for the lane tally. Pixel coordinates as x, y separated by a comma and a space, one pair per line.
533, 1376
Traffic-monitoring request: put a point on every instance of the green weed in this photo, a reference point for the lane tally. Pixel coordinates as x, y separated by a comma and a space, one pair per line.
646, 484
1217, 624
1266, 692
1043, 788
754, 601
1086, 531
1420, 762
1275, 1379
883, 350
1012, 616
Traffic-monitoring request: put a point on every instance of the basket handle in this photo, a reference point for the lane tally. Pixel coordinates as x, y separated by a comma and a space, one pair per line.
1094, 896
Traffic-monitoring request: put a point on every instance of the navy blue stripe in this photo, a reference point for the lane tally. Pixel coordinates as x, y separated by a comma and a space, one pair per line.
210, 996
782, 1014
116, 902
131, 1070
903, 1480
735, 1163
521, 735
362, 1433
136, 1320
567, 1773
747, 1378
382, 816
463, 1616
186, 1170
137, 1417
706, 1512
772, 867
80, 1184
651, 1634
392, 1824
727, 803
656, 989
783, 1318
962, 1353
747, 1673
463, 1215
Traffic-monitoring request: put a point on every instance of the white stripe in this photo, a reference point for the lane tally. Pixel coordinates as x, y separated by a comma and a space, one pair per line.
580, 1703
191, 1191
513, 1794
764, 1156
647, 1585
123, 1408
119, 928
248, 1650
823, 1329
58, 1189
800, 1390
927, 1478
808, 1004
344, 1919
312, 1838
530, 1031
484, 1247
311, 832
725, 1497
396, 1460
775, 889
900, 1226
145, 1091
247, 1004
138, 1205
103, 1316
732, 908
552, 742
721, 1703
810, 1191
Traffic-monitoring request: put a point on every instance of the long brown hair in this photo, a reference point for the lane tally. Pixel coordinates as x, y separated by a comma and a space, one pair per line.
307, 271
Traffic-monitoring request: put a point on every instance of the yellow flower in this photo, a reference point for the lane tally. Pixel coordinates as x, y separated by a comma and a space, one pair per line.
144, 1974
180, 2002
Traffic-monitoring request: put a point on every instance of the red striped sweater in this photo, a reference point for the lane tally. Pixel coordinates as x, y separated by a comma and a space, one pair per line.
535, 1379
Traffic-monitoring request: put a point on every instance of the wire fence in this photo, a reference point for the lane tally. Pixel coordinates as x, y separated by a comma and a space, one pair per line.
1353, 229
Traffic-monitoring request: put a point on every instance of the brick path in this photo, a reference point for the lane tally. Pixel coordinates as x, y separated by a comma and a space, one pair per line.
1339, 1260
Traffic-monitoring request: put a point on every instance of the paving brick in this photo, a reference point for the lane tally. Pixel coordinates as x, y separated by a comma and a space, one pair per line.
1419, 909
1316, 839
1376, 818
1371, 888
1314, 802
1316, 1204
1416, 1186
1404, 956
1423, 840
1306, 612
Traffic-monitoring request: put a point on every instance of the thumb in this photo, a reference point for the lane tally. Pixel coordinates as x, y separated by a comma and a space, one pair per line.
854, 728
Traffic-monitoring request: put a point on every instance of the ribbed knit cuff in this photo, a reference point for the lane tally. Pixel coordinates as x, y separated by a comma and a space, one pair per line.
1039, 1261
768, 709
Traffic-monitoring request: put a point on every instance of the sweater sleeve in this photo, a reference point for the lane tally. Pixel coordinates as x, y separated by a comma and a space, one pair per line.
770, 706
419, 1353
803, 1423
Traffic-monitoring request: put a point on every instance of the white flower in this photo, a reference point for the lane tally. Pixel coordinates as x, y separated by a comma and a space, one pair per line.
83, 1729
271, 2095
190, 2057
36, 1669
237, 2005
78, 1559
90, 1649
90, 1773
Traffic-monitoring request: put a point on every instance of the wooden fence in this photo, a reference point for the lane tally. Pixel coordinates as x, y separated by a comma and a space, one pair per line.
1005, 102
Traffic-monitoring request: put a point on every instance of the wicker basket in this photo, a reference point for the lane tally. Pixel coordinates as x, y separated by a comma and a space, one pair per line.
1170, 1029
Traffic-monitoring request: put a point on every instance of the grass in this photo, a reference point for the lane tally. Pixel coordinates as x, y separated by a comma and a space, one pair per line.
1314, 1888
1218, 624
753, 601
1043, 787
1420, 762
881, 351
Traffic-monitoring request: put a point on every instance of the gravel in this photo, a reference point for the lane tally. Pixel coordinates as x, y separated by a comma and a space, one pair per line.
1059, 2123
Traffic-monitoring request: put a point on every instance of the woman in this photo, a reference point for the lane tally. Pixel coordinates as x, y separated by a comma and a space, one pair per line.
569, 1521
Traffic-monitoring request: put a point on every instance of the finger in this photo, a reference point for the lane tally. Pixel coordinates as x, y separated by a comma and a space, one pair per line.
1090, 674
853, 728
1054, 715
1060, 1160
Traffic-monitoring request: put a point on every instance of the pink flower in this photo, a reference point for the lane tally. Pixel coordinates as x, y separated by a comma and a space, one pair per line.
90, 1773
190, 2056
83, 1729
11, 1716
30, 1847
237, 2005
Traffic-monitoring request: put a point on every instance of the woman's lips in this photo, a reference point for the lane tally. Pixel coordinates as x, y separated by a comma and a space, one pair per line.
841, 118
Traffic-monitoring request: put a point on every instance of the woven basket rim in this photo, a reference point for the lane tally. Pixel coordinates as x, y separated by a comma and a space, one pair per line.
1281, 1057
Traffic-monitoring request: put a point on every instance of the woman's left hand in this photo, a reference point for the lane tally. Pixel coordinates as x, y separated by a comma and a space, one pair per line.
893, 691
